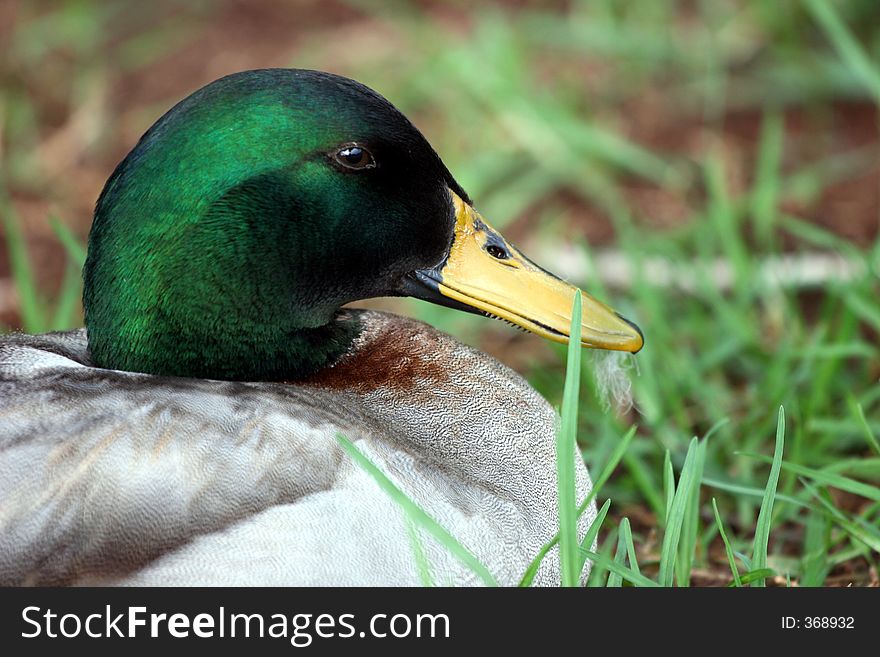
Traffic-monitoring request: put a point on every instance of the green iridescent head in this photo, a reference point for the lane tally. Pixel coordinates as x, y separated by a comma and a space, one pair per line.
226, 241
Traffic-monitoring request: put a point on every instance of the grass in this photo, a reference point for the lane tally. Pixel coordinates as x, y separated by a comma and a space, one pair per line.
731, 559
566, 446
675, 514
719, 133
765, 516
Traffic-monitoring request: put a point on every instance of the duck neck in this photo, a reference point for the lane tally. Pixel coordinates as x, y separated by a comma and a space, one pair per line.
247, 354
268, 355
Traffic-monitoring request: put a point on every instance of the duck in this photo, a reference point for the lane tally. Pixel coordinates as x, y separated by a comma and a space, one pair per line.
189, 434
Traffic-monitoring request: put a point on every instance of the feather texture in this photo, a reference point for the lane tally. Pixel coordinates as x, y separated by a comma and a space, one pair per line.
110, 477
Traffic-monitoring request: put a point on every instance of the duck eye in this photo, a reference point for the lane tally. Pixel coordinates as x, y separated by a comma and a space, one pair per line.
352, 156
497, 252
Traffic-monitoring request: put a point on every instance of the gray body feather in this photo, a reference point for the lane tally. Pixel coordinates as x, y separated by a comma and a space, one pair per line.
111, 477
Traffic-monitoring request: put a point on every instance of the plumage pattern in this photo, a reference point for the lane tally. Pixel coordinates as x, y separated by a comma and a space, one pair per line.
110, 477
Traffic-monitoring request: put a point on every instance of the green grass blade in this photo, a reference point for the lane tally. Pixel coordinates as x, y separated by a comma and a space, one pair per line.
609, 467
828, 479
615, 580
418, 516
865, 307
630, 547
532, 569
859, 412
593, 532
628, 574
749, 491
668, 485
731, 560
68, 299
690, 528
72, 246
625, 549
860, 534
672, 535
766, 192
613, 460
29, 302
757, 577
866, 467
867, 535
815, 564
641, 477
765, 516
590, 536
846, 45
606, 472
566, 448
421, 558
599, 573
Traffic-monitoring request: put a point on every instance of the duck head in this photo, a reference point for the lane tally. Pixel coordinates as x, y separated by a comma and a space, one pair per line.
225, 243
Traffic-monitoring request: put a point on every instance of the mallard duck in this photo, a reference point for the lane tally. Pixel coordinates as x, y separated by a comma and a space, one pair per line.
189, 435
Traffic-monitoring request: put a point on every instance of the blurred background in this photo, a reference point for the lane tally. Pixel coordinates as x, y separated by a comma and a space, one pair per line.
710, 168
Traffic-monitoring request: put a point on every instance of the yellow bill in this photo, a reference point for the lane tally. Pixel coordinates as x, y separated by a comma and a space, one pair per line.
486, 273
